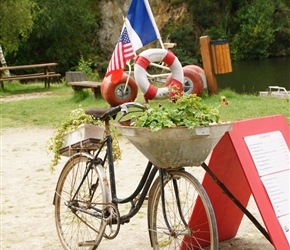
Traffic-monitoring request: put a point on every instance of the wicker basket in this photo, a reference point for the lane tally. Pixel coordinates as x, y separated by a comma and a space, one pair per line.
175, 147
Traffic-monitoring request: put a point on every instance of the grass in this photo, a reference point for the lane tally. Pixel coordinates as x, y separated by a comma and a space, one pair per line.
242, 106
18, 88
44, 112
50, 111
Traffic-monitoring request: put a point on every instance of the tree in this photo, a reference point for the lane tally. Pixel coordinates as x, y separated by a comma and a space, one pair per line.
3, 62
63, 31
255, 34
16, 22
281, 26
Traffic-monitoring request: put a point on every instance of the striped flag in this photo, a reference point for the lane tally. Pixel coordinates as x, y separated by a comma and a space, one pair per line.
123, 52
139, 29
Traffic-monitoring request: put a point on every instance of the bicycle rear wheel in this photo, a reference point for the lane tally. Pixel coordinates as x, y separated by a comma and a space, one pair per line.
193, 226
79, 207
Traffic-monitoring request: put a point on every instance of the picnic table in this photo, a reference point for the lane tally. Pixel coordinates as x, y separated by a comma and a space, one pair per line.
46, 73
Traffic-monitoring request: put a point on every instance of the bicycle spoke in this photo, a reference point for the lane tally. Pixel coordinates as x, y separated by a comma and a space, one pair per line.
181, 193
79, 205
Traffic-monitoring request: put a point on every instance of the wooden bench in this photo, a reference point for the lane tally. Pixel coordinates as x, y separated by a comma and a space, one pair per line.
46, 74
78, 81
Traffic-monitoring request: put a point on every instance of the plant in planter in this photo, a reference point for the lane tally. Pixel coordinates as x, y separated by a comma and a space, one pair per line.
182, 134
186, 110
72, 122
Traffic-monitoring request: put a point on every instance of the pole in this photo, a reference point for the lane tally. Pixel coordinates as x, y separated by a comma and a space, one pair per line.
207, 62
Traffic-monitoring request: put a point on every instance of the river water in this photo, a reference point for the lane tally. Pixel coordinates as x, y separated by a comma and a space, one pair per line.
256, 75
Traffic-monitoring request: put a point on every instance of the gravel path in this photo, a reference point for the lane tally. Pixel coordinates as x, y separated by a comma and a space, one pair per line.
27, 188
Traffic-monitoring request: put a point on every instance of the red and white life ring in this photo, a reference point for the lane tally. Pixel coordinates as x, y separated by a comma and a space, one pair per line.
200, 71
192, 82
157, 55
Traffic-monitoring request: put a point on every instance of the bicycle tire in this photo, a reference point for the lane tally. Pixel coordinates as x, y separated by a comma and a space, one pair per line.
75, 227
201, 230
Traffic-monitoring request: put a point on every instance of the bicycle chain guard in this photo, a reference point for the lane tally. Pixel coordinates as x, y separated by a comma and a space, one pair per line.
112, 216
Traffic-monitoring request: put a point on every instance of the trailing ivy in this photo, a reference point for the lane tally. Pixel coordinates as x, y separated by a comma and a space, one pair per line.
76, 118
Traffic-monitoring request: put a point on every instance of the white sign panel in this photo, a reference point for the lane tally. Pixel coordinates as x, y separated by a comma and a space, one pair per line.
271, 156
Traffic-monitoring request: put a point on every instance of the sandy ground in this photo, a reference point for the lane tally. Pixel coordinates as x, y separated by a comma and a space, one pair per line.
27, 188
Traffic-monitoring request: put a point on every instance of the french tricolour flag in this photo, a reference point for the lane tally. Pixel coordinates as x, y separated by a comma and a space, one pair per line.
139, 29
140, 24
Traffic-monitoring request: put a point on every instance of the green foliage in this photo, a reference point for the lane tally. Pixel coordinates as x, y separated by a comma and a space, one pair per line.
203, 13
76, 118
256, 32
185, 57
62, 32
86, 67
216, 33
80, 95
16, 22
186, 48
255, 29
281, 27
70, 123
186, 110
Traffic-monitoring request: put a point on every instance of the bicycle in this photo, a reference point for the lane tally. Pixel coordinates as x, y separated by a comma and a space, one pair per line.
86, 202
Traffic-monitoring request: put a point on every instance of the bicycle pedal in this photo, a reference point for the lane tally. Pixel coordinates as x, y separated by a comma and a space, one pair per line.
87, 243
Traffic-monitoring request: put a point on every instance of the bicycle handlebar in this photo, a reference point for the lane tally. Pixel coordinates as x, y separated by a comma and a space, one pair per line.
111, 112
132, 104
124, 108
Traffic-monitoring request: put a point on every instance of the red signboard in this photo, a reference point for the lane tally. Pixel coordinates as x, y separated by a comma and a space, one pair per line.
232, 163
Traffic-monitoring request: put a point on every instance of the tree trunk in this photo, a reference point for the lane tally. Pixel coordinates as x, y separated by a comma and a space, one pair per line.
3, 62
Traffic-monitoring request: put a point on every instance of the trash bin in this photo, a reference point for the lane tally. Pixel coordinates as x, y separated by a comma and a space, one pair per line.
221, 56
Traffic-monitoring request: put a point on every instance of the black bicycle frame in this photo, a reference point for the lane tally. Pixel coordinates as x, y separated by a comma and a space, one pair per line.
141, 189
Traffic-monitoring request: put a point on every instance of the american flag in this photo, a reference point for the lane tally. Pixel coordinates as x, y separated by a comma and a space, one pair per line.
123, 52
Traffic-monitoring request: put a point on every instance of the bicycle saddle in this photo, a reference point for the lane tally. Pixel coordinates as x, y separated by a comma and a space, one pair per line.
103, 114
97, 112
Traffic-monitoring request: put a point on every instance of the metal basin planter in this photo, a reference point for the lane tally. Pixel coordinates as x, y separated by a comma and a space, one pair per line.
175, 147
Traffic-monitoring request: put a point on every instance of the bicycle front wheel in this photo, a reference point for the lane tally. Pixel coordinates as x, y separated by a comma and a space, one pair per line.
187, 221
79, 203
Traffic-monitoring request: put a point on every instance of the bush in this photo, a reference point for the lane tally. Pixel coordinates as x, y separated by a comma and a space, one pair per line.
85, 67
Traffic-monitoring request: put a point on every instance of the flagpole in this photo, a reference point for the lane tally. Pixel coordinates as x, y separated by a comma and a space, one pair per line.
153, 22
161, 42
